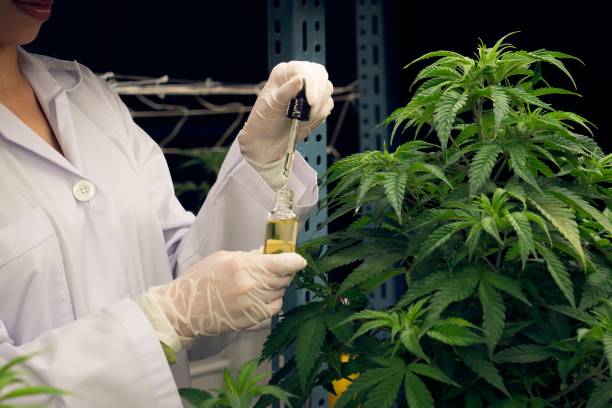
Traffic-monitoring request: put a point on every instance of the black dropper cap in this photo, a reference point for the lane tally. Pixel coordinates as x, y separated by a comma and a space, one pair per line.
298, 107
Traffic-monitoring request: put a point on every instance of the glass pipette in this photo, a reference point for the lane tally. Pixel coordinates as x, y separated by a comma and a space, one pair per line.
298, 110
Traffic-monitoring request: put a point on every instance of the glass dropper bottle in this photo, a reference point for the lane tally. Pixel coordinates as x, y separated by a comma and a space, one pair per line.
282, 225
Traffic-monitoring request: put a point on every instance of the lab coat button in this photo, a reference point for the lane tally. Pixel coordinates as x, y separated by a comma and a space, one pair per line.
84, 190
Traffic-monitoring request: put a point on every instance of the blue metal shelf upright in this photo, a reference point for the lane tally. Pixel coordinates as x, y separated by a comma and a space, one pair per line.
371, 73
372, 102
296, 31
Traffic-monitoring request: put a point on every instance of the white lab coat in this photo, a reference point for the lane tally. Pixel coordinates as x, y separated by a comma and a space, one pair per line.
70, 269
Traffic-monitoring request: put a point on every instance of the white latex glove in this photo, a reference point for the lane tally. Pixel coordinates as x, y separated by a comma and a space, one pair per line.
264, 137
226, 291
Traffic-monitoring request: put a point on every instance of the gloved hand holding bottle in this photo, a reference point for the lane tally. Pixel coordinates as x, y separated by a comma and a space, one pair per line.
263, 139
226, 291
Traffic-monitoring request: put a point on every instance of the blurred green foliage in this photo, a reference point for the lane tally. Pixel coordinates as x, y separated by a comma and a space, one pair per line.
13, 386
497, 215
194, 171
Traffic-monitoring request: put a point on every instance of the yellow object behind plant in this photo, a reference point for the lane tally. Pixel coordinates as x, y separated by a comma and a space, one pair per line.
341, 385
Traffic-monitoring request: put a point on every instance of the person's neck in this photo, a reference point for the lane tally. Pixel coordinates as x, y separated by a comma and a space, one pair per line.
10, 74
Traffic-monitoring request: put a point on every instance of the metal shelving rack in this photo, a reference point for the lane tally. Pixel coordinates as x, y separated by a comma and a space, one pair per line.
296, 31
371, 75
372, 103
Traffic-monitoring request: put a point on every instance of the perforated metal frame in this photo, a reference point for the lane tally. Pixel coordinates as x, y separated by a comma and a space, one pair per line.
372, 104
296, 31
371, 74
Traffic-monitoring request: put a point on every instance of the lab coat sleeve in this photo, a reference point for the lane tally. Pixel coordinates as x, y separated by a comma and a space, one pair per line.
111, 358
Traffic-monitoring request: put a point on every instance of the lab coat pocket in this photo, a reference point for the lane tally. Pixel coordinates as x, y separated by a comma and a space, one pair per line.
34, 294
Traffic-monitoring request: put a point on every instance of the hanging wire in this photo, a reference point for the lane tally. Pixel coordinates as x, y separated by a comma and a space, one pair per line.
142, 87
223, 109
179, 125
331, 147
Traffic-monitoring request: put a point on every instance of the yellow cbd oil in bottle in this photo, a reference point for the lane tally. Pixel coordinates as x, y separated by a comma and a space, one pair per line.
282, 225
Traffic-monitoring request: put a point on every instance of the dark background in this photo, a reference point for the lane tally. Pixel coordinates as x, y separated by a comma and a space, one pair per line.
227, 41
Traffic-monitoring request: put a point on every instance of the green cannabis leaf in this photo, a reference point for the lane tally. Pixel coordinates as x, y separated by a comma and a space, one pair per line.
237, 392
493, 206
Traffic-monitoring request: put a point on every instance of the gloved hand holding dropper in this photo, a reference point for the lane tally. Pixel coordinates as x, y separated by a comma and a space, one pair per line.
264, 137
232, 291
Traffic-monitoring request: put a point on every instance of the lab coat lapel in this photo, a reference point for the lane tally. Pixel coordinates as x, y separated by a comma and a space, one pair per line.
65, 128
55, 104
14, 130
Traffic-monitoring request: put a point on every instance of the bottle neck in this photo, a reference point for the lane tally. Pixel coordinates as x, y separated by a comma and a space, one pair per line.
284, 202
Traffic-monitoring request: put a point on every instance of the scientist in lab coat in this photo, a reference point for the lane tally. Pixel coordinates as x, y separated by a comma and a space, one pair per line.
101, 269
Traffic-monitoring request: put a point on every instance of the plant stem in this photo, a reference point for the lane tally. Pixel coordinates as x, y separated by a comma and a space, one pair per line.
499, 259
477, 111
415, 200
466, 161
501, 168
596, 371
489, 263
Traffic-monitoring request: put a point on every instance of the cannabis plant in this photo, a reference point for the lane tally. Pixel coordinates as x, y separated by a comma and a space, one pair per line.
496, 215
239, 392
